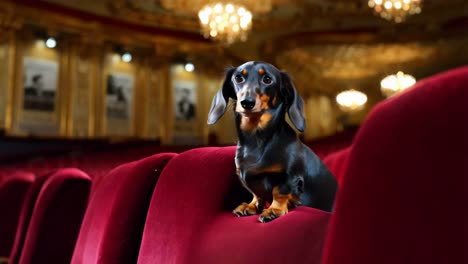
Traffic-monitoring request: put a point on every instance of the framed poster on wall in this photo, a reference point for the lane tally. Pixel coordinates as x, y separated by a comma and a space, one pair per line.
37, 107
185, 100
185, 107
40, 84
119, 103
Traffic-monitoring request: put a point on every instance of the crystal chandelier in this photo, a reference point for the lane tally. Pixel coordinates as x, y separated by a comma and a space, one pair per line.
225, 22
396, 83
395, 10
351, 100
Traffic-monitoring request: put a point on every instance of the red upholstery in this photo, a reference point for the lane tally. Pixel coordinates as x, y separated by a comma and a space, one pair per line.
404, 194
113, 224
337, 162
25, 217
12, 194
55, 219
190, 220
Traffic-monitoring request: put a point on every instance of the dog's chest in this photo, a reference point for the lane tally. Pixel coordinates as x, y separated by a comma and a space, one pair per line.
252, 162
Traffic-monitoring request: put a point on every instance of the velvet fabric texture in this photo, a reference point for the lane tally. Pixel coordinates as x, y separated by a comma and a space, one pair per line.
337, 162
25, 216
55, 218
403, 198
190, 219
13, 191
113, 224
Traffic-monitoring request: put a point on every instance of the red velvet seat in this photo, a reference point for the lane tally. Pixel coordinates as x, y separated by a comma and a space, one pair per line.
49, 226
403, 198
190, 219
337, 162
113, 224
13, 191
25, 217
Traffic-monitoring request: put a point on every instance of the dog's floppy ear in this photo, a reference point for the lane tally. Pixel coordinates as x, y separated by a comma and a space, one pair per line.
221, 99
294, 102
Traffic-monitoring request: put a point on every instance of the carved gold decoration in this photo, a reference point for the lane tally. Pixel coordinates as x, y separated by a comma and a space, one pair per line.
84, 75
322, 64
192, 7
9, 20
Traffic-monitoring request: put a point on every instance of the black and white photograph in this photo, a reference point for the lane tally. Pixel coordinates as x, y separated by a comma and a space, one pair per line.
119, 94
185, 97
40, 84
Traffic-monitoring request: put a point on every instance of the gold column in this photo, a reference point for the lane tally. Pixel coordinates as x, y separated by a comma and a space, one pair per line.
9, 24
85, 72
151, 127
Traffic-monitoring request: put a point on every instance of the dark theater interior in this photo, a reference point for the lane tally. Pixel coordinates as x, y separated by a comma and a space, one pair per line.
108, 154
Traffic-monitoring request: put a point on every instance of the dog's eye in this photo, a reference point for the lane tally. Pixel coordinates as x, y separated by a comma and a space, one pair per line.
239, 78
267, 79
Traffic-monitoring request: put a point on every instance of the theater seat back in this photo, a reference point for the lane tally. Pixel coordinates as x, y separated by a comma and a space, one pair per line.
113, 224
25, 216
403, 196
13, 192
337, 162
56, 218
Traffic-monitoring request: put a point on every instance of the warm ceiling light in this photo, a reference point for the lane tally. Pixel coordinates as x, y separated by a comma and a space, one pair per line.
225, 22
351, 100
51, 43
395, 10
189, 67
126, 57
396, 83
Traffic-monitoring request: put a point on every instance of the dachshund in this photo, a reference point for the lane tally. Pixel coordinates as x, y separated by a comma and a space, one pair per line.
271, 161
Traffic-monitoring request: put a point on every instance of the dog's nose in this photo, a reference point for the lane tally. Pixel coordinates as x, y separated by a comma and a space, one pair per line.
248, 103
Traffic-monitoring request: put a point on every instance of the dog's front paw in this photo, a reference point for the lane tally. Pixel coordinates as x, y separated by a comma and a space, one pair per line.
245, 209
271, 214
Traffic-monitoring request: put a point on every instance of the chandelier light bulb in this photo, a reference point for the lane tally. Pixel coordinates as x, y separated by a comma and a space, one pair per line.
226, 23
396, 83
395, 10
351, 100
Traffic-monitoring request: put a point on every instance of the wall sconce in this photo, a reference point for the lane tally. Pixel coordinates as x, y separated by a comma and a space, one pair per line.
51, 43
189, 66
126, 57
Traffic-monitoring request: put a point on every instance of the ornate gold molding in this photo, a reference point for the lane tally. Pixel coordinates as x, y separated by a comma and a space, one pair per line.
9, 19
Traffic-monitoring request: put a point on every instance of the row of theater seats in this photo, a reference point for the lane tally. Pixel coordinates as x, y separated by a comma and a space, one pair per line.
402, 199
15, 181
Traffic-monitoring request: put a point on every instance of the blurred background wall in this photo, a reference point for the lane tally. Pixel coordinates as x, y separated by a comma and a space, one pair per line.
143, 70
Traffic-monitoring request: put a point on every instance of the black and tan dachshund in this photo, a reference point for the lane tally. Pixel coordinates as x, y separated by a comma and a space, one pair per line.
272, 163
